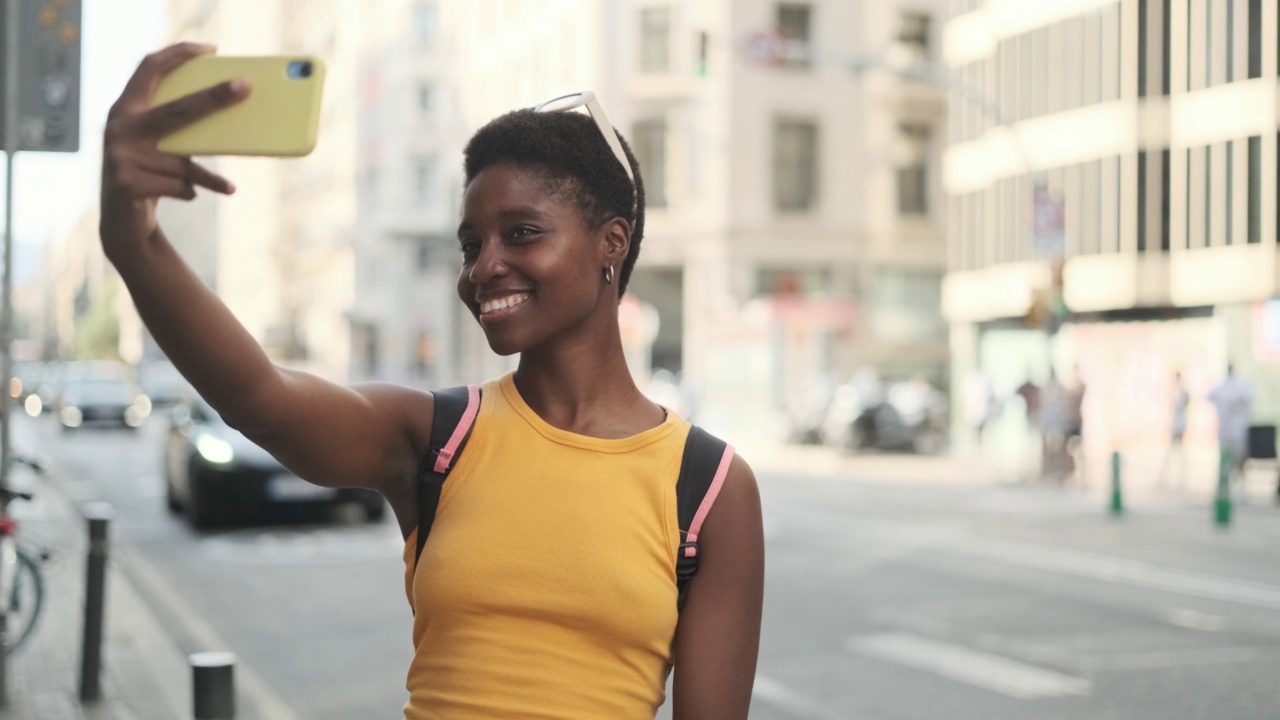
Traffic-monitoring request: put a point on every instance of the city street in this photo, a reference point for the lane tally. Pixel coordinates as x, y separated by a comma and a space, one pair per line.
884, 601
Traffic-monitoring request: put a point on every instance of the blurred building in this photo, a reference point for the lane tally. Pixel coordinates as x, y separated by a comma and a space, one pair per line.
793, 227
1113, 200
326, 258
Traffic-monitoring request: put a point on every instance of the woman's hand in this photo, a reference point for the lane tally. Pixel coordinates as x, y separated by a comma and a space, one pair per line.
134, 173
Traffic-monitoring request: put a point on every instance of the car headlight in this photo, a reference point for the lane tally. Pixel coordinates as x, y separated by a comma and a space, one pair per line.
33, 405
214, 449
142, 404
71, 416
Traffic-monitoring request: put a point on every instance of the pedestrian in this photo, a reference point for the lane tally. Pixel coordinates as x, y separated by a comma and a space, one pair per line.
1073, 434
1031, 402
1177, 431
1233, 400
981, 407
547, 587
1055, 419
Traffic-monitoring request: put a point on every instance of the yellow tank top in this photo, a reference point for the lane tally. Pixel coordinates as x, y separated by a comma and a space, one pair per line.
547, 587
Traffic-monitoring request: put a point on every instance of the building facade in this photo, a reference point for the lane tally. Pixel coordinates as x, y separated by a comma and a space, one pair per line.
1113, 201
794, 219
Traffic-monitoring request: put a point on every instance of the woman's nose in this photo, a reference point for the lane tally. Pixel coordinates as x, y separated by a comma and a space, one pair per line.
489, 263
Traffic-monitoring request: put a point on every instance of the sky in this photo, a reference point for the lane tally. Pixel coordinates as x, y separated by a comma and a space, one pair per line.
52, 190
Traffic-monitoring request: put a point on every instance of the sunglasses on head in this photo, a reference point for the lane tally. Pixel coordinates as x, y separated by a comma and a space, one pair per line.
587, 99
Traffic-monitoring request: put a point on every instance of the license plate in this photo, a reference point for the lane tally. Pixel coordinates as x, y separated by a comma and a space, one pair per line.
292, 487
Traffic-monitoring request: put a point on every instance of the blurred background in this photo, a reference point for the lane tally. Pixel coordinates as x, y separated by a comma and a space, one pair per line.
963, 280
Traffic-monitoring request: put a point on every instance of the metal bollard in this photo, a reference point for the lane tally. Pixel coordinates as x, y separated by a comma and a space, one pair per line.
1117, 496
95, 594
213, 683
1222, 499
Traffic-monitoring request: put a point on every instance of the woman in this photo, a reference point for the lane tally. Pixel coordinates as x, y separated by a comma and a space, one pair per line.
547, 586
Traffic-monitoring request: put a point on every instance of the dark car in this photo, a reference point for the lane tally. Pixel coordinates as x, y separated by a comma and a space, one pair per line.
215, 474
102, 400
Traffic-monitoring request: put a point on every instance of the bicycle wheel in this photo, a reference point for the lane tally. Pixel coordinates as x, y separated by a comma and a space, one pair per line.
25, 602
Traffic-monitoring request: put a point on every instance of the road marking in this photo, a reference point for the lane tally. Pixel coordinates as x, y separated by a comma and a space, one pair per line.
1193, 619
1184, 658
979, 669
1125, 572
160, 592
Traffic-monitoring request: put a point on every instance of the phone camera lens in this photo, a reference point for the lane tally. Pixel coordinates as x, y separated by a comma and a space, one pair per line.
299, 69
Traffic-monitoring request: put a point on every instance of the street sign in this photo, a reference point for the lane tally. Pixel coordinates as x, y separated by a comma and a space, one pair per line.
48, 74
764, 48
1048, 223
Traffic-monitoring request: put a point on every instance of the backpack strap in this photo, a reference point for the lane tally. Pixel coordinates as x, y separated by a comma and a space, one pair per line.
455, 413
703, 468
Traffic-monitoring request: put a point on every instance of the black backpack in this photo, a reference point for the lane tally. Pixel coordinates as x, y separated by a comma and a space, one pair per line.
703, 468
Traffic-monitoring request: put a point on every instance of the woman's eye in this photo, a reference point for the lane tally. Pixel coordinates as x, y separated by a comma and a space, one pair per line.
469, 249
523, 232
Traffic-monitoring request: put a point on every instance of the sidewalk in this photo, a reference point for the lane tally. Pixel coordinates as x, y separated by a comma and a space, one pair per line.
144, 677
818, 460
1141, 476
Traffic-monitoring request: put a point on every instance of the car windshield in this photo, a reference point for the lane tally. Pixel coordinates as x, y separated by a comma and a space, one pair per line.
101, 390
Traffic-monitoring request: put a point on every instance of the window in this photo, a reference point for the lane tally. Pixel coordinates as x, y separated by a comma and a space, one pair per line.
426, 97
911, 155
913, 33
655, 40
795, 171
906, 305
1254, 210
1144, 19
425, 17
1255, 38
424, 182
649, 141
1142, 199
794, 21
424, 352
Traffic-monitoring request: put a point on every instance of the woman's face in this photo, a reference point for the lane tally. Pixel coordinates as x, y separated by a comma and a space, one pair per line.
532, 268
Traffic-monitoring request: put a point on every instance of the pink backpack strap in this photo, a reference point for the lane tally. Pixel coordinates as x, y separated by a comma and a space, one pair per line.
713, 492
703, 470
444, 458
451, 422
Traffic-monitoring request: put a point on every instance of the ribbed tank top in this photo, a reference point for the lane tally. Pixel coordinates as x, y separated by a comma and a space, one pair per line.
547, 586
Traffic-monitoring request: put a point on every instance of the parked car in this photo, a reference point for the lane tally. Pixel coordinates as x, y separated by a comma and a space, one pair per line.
215, 474
906, 416
102, 400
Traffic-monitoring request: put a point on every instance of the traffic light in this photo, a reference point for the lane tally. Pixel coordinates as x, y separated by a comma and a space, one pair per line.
704, 41
48, 74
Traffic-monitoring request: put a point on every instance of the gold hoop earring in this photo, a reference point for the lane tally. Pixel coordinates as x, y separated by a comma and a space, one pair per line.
608, 274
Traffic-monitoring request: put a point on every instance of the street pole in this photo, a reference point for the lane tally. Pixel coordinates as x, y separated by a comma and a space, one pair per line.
6, 285
6, 362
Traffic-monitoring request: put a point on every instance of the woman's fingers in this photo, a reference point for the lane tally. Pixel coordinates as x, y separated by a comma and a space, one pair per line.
144, 185
164, 119
138, 91
185, 168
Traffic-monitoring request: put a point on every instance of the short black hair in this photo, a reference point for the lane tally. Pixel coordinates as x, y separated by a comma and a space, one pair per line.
567, 150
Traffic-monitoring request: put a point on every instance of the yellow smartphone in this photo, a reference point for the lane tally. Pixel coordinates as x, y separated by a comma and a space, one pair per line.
280, 118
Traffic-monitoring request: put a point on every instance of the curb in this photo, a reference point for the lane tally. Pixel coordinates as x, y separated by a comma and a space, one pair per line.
144, 673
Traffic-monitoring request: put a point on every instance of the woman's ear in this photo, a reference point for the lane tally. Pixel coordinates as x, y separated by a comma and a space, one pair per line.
617, 241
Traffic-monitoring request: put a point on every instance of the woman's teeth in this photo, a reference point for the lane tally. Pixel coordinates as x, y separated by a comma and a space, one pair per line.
502, 303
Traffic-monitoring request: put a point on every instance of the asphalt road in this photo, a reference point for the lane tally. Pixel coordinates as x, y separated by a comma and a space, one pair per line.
883, 602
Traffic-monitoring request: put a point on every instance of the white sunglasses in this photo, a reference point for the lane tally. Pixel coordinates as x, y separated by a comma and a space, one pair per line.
587, 99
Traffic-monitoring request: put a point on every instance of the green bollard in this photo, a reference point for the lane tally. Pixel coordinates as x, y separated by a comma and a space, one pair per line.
1222, 500
1117, 497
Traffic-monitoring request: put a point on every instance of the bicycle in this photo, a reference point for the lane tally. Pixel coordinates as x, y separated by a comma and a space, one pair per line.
21, 576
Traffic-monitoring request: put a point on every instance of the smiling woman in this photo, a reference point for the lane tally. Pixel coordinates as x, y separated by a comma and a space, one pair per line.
556, 578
